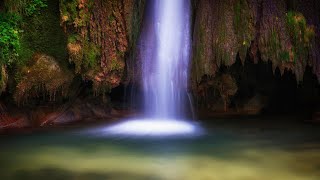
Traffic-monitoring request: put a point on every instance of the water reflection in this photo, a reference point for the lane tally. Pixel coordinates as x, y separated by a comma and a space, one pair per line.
215, 156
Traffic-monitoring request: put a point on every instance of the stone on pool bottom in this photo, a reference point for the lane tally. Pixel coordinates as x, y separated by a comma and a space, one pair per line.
152, 127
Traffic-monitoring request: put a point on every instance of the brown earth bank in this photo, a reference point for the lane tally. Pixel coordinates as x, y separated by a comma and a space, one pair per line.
88, 112
80, 112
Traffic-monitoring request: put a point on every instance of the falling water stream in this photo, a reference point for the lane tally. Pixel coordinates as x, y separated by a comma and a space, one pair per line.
165, 63
164, 52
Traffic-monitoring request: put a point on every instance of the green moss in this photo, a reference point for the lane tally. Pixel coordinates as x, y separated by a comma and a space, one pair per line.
25, 7
16, 27
237, 14
73, 38
243, 26
16, 6
83, 53
68, 8
9, 38
39, 31
91, 52
274, 43
284, 56
301, 34
45, 35
25, 53
35, 6
74, 13
115, 65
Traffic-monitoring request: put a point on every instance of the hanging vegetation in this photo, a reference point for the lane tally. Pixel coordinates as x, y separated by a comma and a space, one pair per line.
43, 78
100, 34
9, 38
224, 29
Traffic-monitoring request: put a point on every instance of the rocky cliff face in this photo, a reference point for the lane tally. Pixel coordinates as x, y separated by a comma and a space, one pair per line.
280, 36
101, 36
284, 32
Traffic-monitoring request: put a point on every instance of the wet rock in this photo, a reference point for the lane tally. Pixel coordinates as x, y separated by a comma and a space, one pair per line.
77, 111
43, 76
223, 29
254, 105
101, 35
7, 122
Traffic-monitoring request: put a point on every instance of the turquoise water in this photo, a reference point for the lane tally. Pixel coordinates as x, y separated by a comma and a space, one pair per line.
224, 151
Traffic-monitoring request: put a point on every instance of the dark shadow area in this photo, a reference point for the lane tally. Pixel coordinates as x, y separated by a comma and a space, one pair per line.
264, 90
61, 174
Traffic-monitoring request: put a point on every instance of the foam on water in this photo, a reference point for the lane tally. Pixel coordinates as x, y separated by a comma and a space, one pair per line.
152, 127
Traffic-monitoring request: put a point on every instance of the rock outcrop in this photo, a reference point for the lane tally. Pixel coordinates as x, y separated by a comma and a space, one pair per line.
266, 29
43, 77
102, 35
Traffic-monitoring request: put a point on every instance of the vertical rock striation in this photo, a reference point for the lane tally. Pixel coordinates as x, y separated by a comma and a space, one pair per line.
270, 29
102, 34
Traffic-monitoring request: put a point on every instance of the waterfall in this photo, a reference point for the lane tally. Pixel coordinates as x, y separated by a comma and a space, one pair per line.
164, 52
165, 58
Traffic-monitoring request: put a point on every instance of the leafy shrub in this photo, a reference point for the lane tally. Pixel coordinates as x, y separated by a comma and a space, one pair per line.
25, 7
10, 28
9, 38
35, 6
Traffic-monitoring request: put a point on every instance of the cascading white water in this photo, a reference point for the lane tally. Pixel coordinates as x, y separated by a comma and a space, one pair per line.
165, 47
165, 63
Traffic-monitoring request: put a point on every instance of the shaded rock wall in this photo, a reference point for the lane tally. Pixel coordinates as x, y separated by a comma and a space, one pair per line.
270, 39
311, 10
222, 29
39, 33
82, 41
111, 27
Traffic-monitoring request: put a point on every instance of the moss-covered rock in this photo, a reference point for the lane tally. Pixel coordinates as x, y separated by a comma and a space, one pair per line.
101, 35
223, 29
43, 77
42, 33
285, 38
